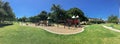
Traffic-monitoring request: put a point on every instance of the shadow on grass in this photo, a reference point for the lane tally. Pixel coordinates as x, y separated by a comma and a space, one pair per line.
3, 25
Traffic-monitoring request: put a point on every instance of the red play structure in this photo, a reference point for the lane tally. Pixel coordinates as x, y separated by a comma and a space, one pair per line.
72, 22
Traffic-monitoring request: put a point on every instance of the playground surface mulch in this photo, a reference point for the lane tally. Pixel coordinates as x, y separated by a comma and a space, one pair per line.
59, 29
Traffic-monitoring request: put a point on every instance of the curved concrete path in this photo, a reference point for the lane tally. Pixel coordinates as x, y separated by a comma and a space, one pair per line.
110, 28
58, 30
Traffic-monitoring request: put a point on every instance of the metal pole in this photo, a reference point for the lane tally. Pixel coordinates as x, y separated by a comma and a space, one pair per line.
119, 15
119, 10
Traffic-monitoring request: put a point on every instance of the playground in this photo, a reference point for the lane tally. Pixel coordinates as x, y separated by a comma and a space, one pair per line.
59, 22
61, 29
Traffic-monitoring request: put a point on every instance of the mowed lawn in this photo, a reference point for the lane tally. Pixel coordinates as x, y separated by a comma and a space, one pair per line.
117, 26
93, 34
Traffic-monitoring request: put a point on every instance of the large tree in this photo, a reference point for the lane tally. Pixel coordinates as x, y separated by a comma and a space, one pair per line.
23, 19
113, 19
3, 15
43, 15
2, 12
56, 10
1, 3
6, 13
34, 19
58, 13
8, 9
76, 11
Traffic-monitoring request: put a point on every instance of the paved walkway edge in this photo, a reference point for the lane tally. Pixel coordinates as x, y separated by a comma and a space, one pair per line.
110, 28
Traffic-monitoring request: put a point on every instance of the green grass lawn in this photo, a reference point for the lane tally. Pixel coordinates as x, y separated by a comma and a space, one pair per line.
93, 34
117, 26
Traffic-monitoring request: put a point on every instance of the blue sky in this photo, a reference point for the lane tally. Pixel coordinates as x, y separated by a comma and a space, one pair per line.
91, 8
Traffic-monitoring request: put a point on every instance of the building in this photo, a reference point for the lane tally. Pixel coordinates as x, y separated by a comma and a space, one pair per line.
96, 20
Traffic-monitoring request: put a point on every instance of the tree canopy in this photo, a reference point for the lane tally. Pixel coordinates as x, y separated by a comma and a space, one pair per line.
76, 11
57, 13
23, 19
43, 15
113, 19
6, 13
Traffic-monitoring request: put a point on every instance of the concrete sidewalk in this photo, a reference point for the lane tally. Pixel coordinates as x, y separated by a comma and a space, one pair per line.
110, 28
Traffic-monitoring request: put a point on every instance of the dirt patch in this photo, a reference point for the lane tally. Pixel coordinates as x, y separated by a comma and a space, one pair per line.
59, 30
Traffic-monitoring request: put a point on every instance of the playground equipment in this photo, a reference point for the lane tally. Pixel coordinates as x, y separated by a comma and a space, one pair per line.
73, 22
47, 22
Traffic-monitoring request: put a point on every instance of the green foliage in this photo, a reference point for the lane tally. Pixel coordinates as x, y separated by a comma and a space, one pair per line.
1, 3
43, 15
3, 15
113, 19
57, 13
10, 15
6, 13
60, 14
23, 19
2, 12
34, 19
76, 11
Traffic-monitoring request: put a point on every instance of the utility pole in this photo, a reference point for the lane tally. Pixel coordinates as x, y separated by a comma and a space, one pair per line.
119, 10
119, 15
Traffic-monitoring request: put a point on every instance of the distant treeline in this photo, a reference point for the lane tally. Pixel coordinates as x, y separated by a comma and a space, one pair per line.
57, 13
